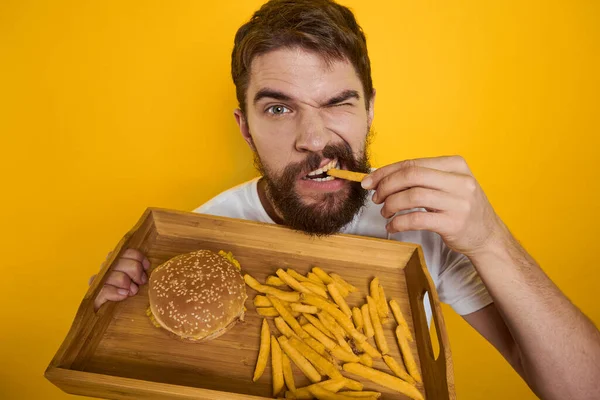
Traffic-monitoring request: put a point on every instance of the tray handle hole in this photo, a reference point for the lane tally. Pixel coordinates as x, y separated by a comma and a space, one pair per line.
434, 349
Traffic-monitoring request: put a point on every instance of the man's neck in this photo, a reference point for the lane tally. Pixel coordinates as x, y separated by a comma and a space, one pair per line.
263, 195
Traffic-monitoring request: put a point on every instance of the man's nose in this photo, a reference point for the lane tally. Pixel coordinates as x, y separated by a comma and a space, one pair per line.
312, 134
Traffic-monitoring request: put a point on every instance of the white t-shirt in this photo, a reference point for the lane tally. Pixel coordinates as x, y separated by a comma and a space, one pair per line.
455, 278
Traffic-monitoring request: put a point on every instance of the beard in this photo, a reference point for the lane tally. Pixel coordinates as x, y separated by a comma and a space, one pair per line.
329, 212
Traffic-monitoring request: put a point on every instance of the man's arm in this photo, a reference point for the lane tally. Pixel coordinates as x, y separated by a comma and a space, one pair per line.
548, 341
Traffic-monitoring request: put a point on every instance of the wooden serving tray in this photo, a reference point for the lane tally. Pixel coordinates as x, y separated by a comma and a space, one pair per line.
117, 353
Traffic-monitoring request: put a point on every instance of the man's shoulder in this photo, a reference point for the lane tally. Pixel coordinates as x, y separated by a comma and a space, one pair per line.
240, 201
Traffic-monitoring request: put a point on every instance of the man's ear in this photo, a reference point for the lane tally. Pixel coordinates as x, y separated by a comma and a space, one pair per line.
242, 122
371, 110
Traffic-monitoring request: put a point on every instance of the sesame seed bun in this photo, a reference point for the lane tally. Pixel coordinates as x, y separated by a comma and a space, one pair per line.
197, 296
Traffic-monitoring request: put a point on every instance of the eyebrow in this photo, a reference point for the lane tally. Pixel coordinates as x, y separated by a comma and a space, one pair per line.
340, 98
277, 95
270, 94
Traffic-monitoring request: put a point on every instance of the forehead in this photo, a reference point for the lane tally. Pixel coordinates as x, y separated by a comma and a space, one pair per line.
302, 74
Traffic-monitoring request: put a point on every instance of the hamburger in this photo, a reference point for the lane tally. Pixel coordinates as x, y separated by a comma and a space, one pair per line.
197, 296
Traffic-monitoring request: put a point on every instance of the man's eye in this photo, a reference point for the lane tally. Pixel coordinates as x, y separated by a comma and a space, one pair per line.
278, 110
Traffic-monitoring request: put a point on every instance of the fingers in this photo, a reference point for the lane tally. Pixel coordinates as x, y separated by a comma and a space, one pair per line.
419, 197
415, 176
417, 221
452, 164
136, 255
133, 268
110, 293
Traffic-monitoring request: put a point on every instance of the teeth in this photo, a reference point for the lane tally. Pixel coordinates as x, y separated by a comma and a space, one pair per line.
329, 178
332, 164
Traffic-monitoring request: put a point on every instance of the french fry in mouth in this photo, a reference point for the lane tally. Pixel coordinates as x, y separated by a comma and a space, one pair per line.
347, 175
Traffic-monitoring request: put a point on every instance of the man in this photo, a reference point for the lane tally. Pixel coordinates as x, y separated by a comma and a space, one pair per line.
306, 104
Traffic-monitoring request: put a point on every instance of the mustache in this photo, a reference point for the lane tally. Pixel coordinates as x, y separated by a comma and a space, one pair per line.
313, 160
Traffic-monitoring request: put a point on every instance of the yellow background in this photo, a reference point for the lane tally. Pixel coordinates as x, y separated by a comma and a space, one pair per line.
109, 107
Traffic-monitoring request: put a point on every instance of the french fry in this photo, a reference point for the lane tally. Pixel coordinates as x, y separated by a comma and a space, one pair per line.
383, 305
276, 366
318, 324
274, 281
366, 359
317, 346
287, 317
333, 385
292, 297
398, 369
347, 175
302, 320
339, 300
368, 328
320, 363
295, 314
361, 395
383, 379
283, 327
314, 278
315, 288
342, 343
351, 384
376, 296
267, 311
343, 291
261, 301
367, 348
344, 321
379, 336
323, 276
303, 308
343, 355
357, 318
301, 362
324, 394
290, 281
374, 289
320, 336
330, 323
399, 317
299, 277
409, 360
264, 350
340, 281
288, 374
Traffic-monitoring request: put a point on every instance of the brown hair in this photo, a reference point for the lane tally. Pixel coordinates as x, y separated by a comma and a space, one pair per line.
322, 26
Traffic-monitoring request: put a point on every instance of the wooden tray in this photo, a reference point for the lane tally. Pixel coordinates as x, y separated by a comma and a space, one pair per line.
117, 353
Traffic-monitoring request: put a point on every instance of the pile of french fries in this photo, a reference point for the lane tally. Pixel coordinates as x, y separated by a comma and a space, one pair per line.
322, 336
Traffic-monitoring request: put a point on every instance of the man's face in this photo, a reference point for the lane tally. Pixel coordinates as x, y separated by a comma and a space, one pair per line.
305, 116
